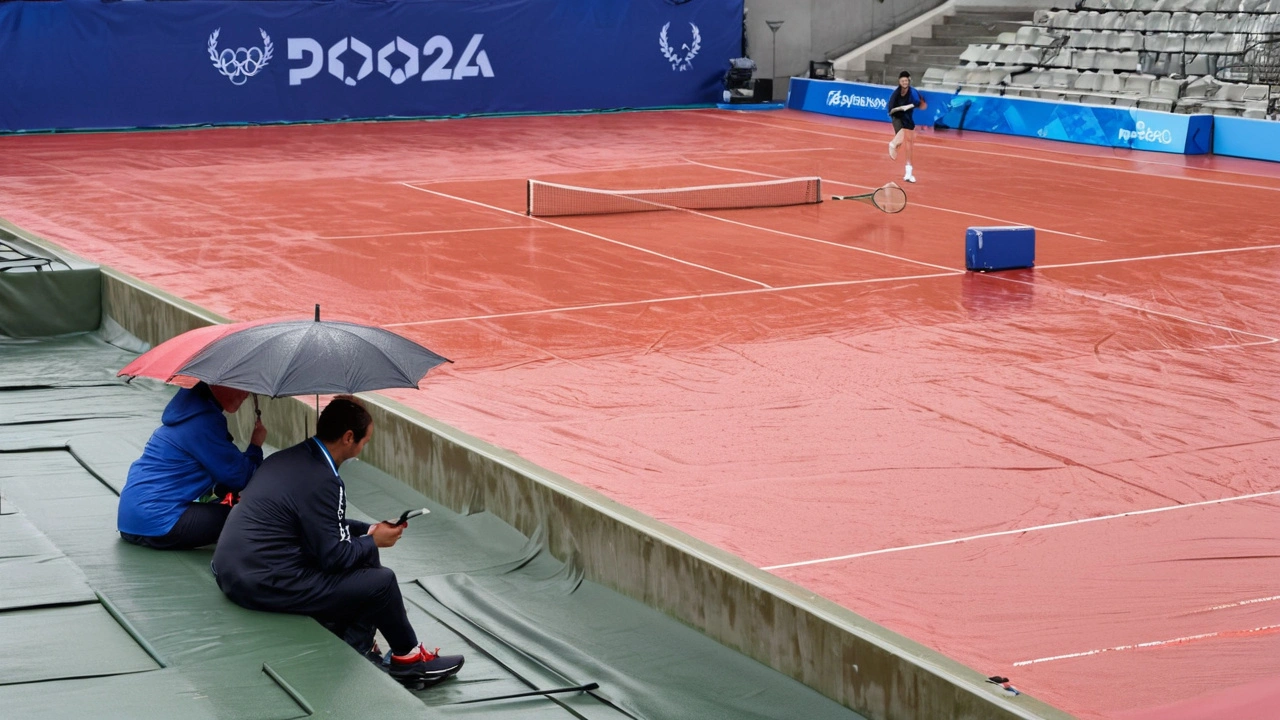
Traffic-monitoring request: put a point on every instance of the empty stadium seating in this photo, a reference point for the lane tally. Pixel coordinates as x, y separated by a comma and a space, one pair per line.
1189, 56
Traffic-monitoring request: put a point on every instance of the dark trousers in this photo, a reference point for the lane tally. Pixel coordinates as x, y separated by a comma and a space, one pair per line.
351, 605
358, 602
200, 525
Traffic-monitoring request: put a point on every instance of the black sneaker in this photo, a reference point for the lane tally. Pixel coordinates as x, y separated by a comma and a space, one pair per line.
422, 668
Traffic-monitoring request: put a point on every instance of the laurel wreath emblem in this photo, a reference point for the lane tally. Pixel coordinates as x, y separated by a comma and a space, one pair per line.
678, 61
240, 64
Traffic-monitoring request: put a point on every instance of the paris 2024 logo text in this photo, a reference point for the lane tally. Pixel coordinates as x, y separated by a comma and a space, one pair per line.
350, 60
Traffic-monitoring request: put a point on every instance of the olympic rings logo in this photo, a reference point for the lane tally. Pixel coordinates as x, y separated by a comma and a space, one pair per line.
240, 64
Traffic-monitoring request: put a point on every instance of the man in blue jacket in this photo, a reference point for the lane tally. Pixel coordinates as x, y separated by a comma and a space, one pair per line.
289, 547
190, 455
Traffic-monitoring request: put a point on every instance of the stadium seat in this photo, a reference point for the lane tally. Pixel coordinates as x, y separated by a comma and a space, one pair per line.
1206, 22
1216, 44
1193, 43
1122, 4
1144, 5
1007, 38
954, 77
1112, 84
1255, 93
1198, 65
1157, 22
1008, 56
972, 53
1113, 21
1135, 21
1181, 22
1230, 23
1157, 104
1228, 6
933, 76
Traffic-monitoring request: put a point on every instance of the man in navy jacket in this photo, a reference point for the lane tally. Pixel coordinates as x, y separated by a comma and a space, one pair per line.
188, 456
288, 546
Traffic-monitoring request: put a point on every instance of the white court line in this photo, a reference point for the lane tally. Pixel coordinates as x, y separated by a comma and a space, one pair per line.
1191, 253
762, 152
1035, 528
943, 145
930, 207
420, 232
588, 234
1153, 643
1266, 339
1228, 606
820, 241
653, 301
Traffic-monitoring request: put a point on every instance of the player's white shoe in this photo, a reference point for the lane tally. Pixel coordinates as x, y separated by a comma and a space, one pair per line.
893, 151
909, 177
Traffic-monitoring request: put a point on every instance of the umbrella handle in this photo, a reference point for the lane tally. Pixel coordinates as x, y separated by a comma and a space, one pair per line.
256, 410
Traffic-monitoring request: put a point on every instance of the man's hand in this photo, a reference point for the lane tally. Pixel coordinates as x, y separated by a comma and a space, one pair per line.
259, 435
385, 534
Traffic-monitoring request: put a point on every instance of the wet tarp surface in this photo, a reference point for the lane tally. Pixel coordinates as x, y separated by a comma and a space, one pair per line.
166, 642
817, 384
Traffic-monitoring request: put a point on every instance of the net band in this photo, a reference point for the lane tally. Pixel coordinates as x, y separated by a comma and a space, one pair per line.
551, 199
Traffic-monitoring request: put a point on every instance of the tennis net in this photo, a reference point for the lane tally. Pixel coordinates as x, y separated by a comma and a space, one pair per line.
547, 199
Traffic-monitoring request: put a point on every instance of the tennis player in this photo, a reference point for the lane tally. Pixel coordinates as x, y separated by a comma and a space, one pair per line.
901, 104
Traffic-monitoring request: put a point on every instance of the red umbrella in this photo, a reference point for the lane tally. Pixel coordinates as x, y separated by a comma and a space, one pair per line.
163, 361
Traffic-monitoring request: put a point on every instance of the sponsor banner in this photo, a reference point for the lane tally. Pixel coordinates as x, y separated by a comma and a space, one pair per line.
1068, 122
1246, 138
91, 64
858, 100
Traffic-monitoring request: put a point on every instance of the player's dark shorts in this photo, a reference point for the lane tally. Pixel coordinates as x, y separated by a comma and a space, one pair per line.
903, 121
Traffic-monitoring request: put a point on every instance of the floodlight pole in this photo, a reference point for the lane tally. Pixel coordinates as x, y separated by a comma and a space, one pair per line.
773, 66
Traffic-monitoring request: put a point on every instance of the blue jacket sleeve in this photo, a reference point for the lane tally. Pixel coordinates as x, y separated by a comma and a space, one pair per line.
224, 462
327, 535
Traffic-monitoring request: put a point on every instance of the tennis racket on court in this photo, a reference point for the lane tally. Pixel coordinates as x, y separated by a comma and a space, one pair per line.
887, 198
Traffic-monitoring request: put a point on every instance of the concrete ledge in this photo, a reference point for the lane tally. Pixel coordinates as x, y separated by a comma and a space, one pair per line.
855, 61
866, 667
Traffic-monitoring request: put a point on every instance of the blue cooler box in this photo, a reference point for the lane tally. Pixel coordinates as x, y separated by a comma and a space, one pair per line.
999, 248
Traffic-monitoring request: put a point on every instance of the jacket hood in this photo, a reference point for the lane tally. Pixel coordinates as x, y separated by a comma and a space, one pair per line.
187, 404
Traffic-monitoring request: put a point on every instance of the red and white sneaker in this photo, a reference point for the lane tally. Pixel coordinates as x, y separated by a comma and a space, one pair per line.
421, 667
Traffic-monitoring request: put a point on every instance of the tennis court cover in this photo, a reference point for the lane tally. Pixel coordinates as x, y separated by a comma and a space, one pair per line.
93, 627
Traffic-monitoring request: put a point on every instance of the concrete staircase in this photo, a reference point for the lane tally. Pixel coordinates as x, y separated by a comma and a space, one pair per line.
948, 40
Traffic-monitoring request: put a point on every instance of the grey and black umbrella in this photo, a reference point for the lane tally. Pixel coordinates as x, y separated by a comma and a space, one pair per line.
311, 357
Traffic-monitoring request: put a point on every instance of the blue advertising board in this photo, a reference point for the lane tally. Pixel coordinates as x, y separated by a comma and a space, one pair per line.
1247, 138
1105, 125
92, 64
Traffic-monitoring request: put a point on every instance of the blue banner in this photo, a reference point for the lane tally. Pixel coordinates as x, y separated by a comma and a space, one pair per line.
1246, 138
90, 64
1068, 122
859, 100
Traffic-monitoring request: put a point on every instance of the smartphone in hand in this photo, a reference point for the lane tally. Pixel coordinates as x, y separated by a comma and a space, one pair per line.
408, 514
